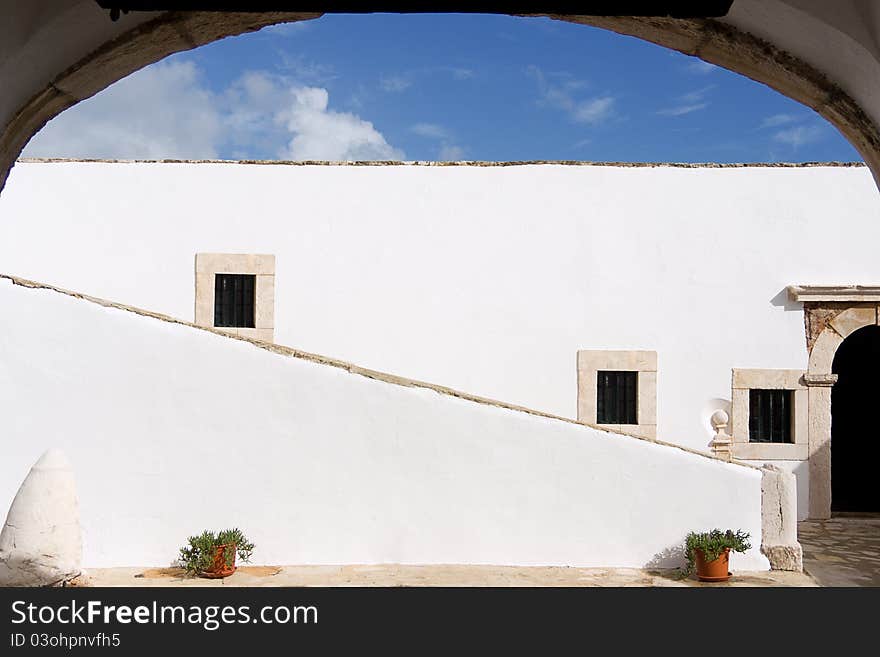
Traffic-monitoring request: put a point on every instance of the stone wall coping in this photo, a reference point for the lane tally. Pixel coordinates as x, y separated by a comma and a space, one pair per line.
462, 163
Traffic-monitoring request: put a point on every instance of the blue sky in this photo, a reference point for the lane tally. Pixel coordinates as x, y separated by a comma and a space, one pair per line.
440, 87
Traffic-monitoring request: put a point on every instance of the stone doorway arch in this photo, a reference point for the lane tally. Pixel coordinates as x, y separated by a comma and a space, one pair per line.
854, 446
831, 315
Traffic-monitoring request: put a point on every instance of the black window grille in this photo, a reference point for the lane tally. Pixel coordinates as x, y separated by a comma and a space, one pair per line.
234, 300
617, 398
770, 416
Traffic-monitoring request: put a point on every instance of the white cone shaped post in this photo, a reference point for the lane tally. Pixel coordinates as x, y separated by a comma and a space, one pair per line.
41, 542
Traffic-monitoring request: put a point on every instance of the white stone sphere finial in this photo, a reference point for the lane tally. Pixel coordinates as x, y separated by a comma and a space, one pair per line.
719, 419
722, 441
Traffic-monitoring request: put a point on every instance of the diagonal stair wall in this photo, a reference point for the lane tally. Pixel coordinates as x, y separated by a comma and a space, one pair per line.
172, 429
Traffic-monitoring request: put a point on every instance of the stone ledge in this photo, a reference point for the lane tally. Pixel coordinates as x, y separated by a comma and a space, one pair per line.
835, 293
820, 380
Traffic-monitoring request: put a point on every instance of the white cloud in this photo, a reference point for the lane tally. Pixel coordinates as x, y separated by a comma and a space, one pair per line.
265, 110
558, 90
360, 96
681, 110
162, 111
696, 96
799, 131
799, 135
304, 71
777, 120
688, 103
395, 83
594, 111
286, 29
700, 67
323, 134
430, 130
451, 153
447, 151
165, 111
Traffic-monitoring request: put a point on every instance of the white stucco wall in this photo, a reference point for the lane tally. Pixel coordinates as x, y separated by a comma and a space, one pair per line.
171, 430
484, 279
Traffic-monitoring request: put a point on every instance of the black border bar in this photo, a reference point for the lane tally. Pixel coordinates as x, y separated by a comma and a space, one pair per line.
641, 8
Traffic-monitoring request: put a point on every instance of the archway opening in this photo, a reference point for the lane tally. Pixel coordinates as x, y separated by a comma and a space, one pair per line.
723, 43
855, 444
477, 87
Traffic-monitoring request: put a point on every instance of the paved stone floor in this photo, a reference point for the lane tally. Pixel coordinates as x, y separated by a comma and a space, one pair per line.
842, 551
434, 575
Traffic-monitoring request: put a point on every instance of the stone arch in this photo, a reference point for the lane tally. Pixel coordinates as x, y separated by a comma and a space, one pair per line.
833, 325
711, 40
839, 327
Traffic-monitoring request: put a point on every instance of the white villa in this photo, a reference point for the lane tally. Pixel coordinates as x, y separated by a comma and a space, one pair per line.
457, 363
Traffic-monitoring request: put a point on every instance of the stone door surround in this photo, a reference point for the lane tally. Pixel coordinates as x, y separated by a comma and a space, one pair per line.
831, 314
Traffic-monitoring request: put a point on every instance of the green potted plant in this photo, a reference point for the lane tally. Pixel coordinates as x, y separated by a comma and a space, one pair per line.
213, 555
709, 552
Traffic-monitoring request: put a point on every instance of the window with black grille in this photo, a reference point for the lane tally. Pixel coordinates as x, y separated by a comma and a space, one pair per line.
617, 398
234, 300
770, 416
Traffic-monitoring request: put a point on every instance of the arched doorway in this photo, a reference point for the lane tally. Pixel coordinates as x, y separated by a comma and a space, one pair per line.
855, 445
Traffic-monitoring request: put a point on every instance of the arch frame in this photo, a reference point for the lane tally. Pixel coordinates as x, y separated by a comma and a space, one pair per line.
828, 321
711, 40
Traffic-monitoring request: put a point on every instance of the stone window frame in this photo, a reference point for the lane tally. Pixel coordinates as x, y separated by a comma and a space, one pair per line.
262, 266
744, 380
591, 361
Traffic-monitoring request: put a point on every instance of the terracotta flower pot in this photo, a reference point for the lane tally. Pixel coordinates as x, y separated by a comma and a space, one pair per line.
713, 571
219, 568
